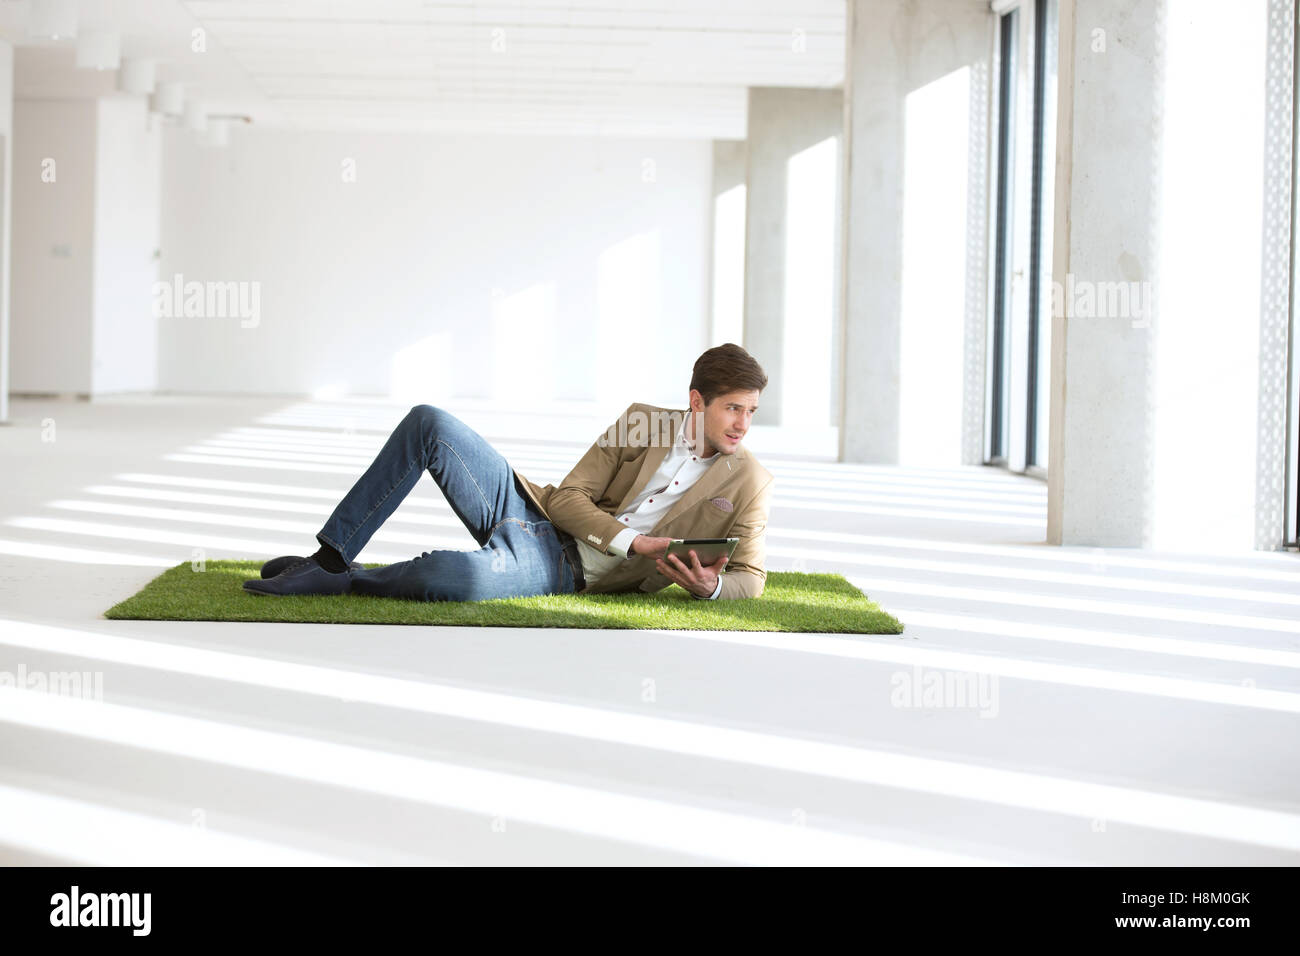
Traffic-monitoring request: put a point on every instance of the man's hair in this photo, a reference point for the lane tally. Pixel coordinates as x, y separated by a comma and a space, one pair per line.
726, 368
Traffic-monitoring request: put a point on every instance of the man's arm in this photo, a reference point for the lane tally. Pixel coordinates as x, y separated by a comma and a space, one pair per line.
744, 575
572, 505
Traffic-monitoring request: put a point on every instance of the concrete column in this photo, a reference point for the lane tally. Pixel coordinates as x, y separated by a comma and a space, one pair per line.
915, 106
782, 123
1099, 461
728, 165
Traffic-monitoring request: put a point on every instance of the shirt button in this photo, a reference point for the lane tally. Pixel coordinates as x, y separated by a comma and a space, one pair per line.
674, 482
652, 501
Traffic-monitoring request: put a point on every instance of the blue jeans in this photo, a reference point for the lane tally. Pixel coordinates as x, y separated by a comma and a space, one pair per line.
521, 553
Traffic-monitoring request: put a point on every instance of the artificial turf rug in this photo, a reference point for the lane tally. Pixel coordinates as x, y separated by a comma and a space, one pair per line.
791, 601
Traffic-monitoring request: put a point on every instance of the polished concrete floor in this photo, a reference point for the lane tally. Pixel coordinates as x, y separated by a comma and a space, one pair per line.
1045, 705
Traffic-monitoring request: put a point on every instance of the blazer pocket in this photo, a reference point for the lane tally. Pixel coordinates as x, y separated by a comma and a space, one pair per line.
722, 505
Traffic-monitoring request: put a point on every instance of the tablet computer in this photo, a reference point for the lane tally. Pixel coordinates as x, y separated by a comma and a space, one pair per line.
707, 550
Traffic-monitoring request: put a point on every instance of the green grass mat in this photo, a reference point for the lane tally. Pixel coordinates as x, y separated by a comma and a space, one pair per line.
790, 602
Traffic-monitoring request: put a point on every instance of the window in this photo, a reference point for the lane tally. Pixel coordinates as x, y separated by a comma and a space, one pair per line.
1021, 306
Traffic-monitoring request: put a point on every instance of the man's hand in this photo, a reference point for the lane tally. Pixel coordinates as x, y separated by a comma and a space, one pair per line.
649, 547
699, 579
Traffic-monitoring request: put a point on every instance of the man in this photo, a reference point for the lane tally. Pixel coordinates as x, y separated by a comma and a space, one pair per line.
654, 475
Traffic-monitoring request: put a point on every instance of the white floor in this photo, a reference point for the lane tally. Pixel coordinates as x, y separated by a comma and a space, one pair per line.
1045, 705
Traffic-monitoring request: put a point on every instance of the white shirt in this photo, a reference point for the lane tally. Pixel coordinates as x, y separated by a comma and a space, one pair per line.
681, 468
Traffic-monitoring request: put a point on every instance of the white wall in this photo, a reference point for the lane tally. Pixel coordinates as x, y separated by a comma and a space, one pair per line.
53, 230
6, 157
510, 268
52, 245
84, 246
128, 184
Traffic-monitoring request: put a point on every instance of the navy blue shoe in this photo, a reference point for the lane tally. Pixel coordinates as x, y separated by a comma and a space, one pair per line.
307, 577
276, 565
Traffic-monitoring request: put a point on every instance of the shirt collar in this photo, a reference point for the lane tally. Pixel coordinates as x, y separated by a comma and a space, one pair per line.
684, 442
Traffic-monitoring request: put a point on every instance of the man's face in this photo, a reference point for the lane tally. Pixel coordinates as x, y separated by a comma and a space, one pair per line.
725, 420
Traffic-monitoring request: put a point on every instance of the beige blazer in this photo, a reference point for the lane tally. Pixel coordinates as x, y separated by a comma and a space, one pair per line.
730, 500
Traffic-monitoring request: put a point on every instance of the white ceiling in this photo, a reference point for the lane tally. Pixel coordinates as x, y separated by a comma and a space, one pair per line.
675, 68
157, 29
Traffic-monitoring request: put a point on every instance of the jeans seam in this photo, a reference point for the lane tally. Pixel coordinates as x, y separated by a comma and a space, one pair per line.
326, 539
470, 472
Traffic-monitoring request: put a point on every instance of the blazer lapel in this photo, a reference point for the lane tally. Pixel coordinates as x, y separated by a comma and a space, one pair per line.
722, 469
654, 457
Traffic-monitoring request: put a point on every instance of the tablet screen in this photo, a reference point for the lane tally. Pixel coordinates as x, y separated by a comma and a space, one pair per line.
707, 550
